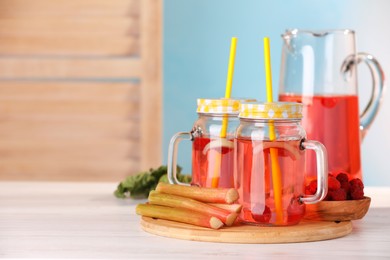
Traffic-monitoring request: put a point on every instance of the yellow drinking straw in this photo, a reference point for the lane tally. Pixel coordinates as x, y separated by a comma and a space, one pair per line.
229, 81
276, 175
228, 91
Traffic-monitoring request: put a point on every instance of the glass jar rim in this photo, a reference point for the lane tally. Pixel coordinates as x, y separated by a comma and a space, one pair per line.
271, 110
220, 105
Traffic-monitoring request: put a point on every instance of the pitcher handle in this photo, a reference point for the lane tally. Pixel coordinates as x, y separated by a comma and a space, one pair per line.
378, 78
322, 171
172, 156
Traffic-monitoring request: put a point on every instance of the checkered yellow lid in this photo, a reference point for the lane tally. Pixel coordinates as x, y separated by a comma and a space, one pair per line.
220, 106
271, 110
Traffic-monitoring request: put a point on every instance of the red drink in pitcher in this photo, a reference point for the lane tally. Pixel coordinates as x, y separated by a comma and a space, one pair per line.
334, 121
212, 162
319, 69
254, 166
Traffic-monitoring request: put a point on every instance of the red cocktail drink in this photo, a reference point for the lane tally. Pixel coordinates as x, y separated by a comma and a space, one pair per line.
334, 121
254, 181
212, 162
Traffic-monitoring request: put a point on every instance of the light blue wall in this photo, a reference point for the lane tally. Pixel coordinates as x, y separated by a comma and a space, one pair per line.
197, 37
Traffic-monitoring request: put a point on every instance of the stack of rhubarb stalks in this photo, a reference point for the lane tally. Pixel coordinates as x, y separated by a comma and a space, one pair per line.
206, 207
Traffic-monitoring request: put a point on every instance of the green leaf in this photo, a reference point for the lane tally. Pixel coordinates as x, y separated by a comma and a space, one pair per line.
139, 185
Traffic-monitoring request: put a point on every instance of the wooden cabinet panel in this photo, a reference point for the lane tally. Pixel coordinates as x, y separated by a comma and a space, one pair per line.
117, 68
80, 89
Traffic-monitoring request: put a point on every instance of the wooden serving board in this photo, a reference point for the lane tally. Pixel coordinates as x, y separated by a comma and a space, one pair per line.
246, 234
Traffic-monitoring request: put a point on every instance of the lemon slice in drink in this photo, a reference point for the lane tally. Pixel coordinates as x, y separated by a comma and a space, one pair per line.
292, 151
218, 143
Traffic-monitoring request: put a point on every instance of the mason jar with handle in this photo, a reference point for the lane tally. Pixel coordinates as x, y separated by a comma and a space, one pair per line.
212, 144
270, 158
319, 69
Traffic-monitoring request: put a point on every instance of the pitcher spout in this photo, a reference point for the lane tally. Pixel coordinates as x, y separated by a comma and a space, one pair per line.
287, 36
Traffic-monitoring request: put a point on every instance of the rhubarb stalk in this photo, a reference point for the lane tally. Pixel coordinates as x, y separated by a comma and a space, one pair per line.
179, 215
175, 201
210, 195
230, 207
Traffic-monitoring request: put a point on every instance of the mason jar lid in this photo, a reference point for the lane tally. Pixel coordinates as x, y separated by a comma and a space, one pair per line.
220, 106
271, 110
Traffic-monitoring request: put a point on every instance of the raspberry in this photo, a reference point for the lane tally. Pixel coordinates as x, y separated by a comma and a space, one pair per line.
342, 177
345, 186
356, 189
263, 218
339, 188
357, 194
356, 182
328, 196
312, 187
338, 194
333, 183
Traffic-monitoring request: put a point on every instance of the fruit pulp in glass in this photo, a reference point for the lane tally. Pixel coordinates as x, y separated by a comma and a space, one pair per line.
332, 120
254, 181
212, 165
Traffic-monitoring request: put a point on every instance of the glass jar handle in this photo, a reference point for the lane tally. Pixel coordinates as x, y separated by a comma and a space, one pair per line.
378, 77
322, 171
172, 156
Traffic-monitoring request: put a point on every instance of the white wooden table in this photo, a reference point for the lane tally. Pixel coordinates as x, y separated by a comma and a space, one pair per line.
84, 220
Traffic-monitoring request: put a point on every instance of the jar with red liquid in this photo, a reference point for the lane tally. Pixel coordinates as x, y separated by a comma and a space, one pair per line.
270, 159
320, 70
212, 144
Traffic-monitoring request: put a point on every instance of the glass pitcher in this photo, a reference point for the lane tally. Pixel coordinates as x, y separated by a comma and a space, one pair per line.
319, 69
